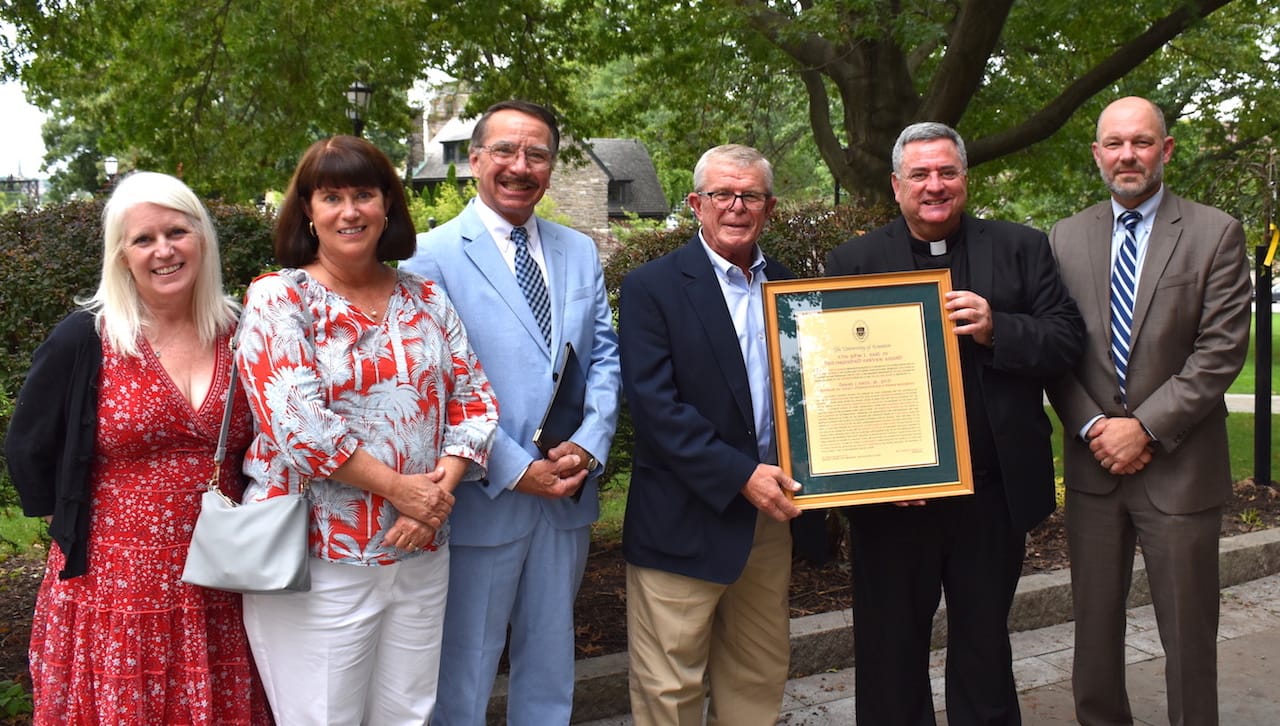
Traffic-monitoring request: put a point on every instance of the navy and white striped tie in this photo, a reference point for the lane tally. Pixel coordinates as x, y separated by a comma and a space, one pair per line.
1124, 278
531, 282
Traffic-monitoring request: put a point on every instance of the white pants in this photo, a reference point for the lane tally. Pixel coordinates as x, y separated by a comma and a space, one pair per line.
362, 647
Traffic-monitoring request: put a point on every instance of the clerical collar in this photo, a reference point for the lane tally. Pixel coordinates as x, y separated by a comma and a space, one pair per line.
936, 248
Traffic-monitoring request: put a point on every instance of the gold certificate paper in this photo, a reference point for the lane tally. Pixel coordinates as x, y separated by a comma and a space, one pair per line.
868, 399
868, 403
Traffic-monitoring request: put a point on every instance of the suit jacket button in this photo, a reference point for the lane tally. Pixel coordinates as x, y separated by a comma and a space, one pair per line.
1116, 399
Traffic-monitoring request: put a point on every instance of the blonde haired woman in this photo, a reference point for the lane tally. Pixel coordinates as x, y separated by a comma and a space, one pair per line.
111, 441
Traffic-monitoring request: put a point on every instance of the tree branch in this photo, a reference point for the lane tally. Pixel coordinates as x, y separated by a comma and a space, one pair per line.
1054, 115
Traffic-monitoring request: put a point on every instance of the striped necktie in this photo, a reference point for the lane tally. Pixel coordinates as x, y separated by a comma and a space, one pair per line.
1124, 279
531, 282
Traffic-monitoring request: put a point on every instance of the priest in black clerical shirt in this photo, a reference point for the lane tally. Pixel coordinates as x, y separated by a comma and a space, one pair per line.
1017, 328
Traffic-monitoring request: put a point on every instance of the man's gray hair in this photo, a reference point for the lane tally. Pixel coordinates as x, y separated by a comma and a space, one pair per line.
927, 131
736, 154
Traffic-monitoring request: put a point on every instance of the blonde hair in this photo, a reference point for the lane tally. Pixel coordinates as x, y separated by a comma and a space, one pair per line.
117, 309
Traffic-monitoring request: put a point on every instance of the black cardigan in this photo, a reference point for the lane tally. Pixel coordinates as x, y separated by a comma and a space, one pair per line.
50, 442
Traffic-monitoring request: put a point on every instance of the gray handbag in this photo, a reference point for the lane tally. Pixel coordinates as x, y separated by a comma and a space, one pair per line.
260, 547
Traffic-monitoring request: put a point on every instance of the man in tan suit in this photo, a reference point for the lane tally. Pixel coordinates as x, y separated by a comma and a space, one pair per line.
1146, 439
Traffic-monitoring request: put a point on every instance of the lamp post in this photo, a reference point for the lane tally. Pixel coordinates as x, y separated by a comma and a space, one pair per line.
357, 102
111, 165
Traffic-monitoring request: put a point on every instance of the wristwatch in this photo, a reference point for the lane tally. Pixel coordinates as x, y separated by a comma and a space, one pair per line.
592, 462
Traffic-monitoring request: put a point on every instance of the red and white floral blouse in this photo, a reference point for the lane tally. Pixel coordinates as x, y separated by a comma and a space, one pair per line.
323, 379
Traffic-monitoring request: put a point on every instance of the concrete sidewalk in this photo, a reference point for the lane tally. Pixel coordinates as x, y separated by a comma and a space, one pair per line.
1042, 638
1248, 655
1243, 403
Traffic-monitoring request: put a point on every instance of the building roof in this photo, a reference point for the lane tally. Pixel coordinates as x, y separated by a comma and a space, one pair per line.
433, 167
626, 160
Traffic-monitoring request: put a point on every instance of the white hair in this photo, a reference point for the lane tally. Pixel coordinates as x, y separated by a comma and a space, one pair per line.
118, 310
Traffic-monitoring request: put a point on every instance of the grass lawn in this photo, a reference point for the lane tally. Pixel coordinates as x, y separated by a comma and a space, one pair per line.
18, 532
1248, 377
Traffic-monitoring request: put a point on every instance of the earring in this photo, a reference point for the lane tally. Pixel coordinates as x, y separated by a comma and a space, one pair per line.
312, 227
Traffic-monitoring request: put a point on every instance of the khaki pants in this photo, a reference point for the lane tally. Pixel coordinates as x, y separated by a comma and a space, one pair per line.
683, 632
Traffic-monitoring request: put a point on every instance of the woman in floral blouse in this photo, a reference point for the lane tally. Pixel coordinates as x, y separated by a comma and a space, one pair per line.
366, 394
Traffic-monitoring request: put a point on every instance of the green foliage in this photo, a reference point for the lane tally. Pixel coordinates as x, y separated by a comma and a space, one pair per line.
51, 256
446, 203
802, 234
228, 102
821, 88
1251, 519
8, 495
14, 700
18, 532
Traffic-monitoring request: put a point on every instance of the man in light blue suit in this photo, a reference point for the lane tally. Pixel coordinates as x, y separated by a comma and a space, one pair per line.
524, 287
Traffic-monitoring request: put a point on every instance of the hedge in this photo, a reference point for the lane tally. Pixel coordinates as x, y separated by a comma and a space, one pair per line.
52, 255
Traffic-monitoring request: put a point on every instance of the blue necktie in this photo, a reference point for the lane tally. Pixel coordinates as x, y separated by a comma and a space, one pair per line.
531, 282
1124, 278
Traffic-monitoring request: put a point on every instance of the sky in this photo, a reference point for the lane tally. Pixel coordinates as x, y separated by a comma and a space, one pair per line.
21, 148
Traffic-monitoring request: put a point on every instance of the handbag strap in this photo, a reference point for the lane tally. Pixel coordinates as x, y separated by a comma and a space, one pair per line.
220, 452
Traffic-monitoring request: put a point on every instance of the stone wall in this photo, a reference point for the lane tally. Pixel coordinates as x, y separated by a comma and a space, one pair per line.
580, 190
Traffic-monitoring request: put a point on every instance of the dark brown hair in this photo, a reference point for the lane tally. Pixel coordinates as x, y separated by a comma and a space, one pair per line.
527, 108
332, 163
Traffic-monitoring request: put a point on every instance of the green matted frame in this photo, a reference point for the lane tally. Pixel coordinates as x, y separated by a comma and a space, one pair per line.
915, 295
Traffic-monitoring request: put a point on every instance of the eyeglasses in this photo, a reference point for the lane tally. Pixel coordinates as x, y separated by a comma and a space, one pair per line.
920, 176
725, 200
537, 157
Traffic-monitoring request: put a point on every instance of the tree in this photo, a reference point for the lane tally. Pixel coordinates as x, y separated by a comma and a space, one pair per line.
1022, 81
822, 87
225, 94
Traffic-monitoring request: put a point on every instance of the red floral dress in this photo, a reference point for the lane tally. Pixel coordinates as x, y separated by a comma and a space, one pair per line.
129, 642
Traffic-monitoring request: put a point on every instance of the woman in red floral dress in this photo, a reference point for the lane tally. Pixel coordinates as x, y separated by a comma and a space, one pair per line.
112, 440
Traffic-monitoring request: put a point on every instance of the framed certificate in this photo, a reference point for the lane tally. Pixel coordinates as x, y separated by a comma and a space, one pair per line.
868, 402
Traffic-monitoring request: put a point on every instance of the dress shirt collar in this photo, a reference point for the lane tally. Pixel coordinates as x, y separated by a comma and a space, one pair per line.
724, 268
1147, 209
500, 230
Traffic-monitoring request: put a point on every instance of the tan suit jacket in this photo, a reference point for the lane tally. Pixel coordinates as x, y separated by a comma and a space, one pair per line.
1189, 341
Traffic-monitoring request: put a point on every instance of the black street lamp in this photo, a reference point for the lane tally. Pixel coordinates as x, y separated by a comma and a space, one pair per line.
357, 102
111, 165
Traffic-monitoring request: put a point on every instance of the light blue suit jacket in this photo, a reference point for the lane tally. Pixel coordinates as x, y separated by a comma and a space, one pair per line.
462, 257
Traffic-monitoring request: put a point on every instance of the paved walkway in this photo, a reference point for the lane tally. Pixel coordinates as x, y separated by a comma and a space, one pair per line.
1248, 670
1244, 404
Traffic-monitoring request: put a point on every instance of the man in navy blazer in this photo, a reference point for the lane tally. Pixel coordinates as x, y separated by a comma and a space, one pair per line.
706, 534
1017, 329
519, 538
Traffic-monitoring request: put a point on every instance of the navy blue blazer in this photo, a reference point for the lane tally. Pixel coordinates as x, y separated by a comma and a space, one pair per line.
1039, 335
690, 401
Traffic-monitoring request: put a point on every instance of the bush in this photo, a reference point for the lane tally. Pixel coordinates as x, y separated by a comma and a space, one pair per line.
52, 255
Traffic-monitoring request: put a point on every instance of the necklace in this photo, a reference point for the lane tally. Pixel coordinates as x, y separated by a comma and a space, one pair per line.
158, 345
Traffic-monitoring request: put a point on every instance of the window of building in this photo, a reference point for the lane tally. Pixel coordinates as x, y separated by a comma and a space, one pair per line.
455, 151
620, 191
